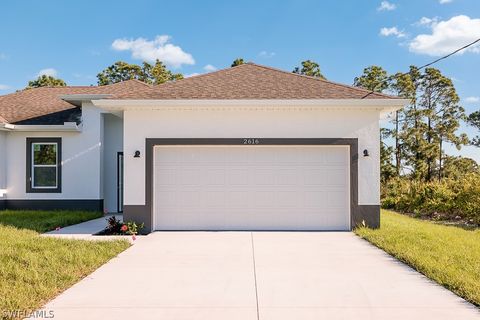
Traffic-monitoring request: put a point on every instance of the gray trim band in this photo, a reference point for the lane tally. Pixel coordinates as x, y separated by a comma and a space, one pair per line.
370, 215
56, 204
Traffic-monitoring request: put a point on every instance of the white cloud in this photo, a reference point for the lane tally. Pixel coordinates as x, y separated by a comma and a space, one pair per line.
47, 72
4, 87
393, 31
424, 21
191, 74
472, 99
150, 50
448, 36
266, 54
387, 6
209, 68
444, 1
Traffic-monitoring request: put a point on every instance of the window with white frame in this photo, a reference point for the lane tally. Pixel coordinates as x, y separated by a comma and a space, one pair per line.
44, 165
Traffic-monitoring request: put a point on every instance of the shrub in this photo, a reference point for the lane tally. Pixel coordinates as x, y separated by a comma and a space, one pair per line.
117, 227
446, 199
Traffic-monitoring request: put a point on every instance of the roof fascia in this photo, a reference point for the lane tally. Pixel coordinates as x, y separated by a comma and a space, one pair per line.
66, 127
78, 99
379, 104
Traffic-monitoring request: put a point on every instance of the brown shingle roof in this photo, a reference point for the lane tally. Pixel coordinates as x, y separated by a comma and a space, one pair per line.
252, 81
245, 82
37, 102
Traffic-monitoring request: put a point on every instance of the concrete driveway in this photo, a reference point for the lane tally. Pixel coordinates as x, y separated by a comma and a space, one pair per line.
257, 275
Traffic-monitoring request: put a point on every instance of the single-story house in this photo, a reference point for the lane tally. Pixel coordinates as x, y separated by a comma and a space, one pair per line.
244, 148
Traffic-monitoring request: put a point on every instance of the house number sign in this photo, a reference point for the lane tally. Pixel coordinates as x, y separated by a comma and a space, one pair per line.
251, 141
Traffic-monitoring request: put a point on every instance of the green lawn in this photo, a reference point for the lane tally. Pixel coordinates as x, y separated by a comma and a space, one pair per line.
34, 269
447, 254
43, 221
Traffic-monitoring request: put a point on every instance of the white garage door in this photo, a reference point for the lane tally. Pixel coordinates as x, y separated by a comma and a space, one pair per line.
251, 188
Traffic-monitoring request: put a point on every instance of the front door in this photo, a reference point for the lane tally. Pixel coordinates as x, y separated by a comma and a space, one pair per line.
120, 182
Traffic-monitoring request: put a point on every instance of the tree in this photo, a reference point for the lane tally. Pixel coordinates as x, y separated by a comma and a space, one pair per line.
374, 78
409, 124
457, 167
237, 62
387, 170
442, 113
46, 81
118, 72
420, 129
158, 73
404, 85
148, 73
309, 68
474, 120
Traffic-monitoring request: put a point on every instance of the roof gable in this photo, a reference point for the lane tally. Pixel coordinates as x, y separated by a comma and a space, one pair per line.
37, 102
250, 81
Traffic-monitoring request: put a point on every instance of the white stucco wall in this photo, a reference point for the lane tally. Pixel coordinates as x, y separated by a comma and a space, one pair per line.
3, 154
261, 123
113, 143
81, 169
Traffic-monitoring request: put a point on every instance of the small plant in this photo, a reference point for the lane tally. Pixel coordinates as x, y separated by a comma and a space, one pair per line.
114, 225
132, 227
117, 227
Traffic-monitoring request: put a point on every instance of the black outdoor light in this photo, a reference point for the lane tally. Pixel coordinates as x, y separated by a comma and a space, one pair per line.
137, 154
365, 153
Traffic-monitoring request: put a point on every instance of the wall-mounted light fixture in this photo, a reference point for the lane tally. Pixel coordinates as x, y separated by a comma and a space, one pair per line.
365, 153
137, 154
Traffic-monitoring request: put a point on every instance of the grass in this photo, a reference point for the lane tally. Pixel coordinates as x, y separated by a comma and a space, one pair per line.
43, 221
35, 269
446, 254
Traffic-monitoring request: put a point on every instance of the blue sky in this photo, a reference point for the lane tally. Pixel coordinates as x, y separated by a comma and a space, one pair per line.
76, 40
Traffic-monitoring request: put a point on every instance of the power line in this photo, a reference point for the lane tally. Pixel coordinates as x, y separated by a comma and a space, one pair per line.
450, 54
431, 63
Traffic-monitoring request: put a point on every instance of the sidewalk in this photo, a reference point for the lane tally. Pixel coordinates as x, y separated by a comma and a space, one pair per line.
86, 230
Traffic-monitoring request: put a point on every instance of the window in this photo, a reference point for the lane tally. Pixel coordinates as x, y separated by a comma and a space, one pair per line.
44, 164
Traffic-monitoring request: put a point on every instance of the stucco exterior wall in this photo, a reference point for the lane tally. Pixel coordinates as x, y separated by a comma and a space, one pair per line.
81, 161
3, 154
252, 123
113, 143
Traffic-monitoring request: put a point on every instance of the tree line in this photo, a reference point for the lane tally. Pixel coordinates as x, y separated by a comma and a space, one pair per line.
156, 73
419, 131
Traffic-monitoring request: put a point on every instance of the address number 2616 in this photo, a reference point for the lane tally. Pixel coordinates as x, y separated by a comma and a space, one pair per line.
251, 141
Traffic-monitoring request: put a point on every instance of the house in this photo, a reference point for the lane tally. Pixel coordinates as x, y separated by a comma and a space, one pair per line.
245, 148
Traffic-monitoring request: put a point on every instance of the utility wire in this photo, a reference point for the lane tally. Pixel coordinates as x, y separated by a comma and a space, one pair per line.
429, 64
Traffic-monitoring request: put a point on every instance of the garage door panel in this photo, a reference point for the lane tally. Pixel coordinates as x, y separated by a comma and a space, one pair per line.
214, 198
336, 176
336, 156
237, 176
286, 177
215, 177
314, 177
165, 176
251, 188
264, 176
238, 199
315, 199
